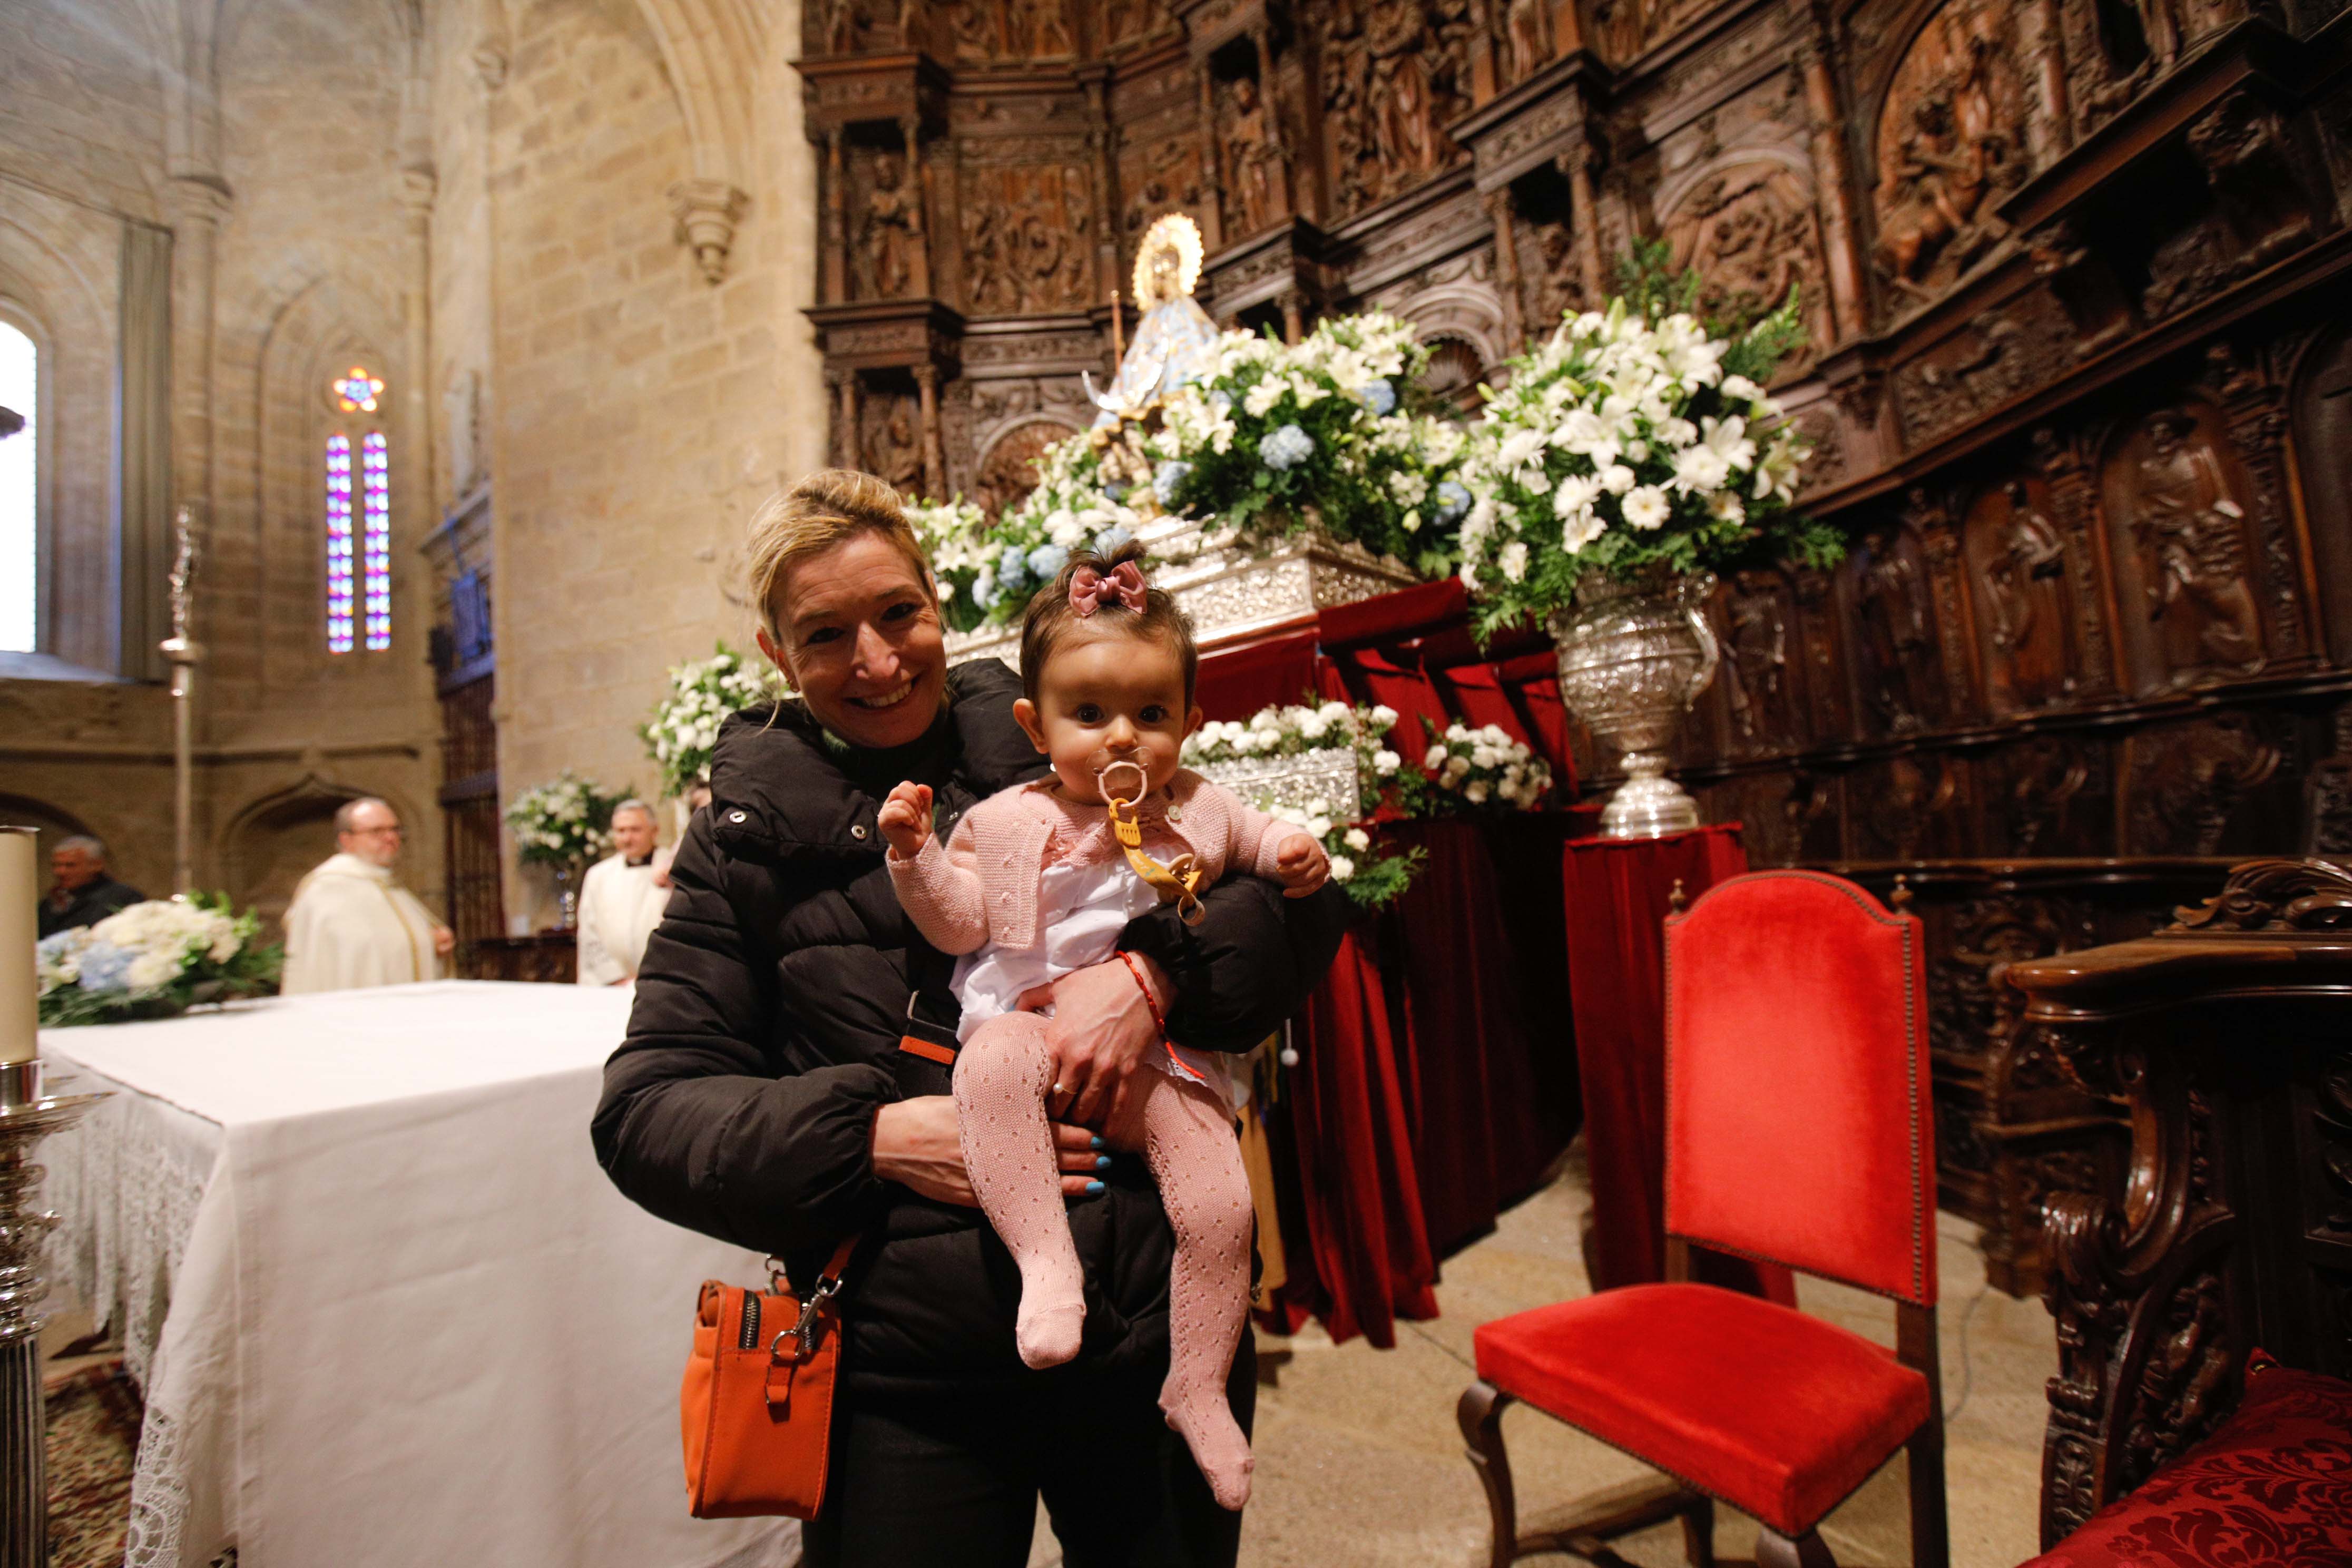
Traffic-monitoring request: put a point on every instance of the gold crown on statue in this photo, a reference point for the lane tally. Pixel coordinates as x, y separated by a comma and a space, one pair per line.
1170, 232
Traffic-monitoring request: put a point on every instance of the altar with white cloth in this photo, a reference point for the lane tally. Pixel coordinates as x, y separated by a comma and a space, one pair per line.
385, 1306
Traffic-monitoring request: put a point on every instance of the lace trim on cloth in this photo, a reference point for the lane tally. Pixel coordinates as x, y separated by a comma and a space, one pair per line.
125, 1185
159, 1496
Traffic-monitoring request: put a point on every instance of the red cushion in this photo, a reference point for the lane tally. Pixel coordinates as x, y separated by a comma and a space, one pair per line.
1797, 1122
1778, 1414
2272, 1488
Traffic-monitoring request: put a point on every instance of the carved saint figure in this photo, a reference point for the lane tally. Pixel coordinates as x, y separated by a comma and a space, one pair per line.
2028, 555
1252, 157
1527, 24
1893, 613
1946, 146
895, 451
1757, 639
1404, 137
1040, 28
890, 229
2019, 561
2191, 538
979, 27
1750, 234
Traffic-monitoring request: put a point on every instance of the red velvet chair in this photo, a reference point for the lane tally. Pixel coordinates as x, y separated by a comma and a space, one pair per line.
1799, 1130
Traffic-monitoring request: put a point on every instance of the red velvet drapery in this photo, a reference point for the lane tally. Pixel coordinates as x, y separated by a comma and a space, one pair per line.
1617, 893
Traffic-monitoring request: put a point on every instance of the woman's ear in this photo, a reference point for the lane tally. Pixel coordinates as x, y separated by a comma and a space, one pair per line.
1024, 713
774, 656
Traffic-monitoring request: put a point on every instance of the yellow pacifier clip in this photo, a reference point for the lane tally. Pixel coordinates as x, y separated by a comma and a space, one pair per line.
1178, 882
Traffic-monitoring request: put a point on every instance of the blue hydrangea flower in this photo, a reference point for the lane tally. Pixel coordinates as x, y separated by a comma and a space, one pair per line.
1116, 490
1165, 477
1110, 540
1013, 569
1221, 400
1378, 395
1453, 500
106, 967
1046, 561
1286, 448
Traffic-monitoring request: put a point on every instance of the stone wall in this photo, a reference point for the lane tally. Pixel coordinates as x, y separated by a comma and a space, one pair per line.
573, 239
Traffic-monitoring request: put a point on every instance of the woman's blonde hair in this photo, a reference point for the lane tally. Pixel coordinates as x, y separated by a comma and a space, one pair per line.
826, 509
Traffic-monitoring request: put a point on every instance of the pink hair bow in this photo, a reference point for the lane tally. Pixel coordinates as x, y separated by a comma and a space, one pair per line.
1089, 587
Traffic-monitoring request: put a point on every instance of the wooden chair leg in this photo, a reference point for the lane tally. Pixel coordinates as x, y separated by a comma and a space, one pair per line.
1931, 1537
1698, 1533
1480, 1414
1774, 1550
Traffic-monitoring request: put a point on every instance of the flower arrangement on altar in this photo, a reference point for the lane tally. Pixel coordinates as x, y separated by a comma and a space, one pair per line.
1634, 443
1465, 768
1326, 433
564, 822
154, 960
988, 570
683, 728
1372, 871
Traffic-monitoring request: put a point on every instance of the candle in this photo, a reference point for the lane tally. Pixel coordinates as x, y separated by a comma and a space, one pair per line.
20, 892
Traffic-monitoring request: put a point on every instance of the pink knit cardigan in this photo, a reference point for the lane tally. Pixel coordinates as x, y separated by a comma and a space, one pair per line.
982, 887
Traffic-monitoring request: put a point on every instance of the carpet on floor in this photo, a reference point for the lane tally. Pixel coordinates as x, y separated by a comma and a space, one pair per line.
93, 1418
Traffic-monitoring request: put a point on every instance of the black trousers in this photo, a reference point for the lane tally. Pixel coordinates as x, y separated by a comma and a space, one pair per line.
953, 1480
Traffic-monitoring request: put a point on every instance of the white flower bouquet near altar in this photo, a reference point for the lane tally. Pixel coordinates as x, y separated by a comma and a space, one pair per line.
1371, 871
685, 724
1633, 445
1482, 767
154, 960
564, 822
988, 574
1332, 432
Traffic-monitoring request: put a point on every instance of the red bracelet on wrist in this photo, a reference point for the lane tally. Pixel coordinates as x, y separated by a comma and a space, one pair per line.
1145, 987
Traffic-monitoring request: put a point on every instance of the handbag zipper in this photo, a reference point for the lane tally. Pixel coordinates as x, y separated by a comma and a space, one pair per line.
748, 1336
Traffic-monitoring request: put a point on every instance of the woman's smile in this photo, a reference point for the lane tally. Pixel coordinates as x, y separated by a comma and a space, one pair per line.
890, 698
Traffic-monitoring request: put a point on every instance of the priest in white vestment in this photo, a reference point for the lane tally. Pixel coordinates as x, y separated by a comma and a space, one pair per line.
620, 899
350, 924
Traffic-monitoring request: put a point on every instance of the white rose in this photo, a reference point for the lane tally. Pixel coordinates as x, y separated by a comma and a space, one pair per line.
1357, 839
1383, 716
1475, 792
1617, 478
1342, 867
1313, 727
1456, 767
1436, 758
1512, 561
1385, 763
1320, 826
1483, 757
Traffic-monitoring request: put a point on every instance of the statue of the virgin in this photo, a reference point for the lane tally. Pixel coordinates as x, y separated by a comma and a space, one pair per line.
1175, 342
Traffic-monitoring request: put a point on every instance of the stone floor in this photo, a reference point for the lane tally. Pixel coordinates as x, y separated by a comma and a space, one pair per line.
1359, 1462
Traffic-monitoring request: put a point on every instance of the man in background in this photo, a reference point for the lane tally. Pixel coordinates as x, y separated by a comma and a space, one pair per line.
83, 894
350, 924
620, 899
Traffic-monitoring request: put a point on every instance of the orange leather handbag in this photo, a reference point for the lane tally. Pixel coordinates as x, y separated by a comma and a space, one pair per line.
756, 1409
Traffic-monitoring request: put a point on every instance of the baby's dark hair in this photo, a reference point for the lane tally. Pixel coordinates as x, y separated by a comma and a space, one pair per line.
1050, 618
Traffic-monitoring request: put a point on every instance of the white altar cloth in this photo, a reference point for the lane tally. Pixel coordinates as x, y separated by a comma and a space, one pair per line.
409, 1321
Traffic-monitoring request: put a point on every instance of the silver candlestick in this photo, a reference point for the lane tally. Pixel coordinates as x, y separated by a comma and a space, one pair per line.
184, 653
27, 1117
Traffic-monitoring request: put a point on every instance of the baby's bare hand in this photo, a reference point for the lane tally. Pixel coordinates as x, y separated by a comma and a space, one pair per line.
1301, 864
905, 819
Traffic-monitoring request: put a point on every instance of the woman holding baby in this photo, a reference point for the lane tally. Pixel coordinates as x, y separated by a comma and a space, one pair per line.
848, 890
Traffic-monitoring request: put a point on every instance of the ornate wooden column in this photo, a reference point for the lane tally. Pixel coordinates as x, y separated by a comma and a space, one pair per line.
1576, 161
935, 464
912, 128
834, 264
1833, 181
845, 454
1507, 267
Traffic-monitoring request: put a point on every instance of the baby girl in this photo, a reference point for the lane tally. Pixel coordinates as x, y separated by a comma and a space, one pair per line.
1035, 883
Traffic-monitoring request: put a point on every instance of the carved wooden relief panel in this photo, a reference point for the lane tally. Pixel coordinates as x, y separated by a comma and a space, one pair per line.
886, 217
1009, 469
1948, 146
985, 32
890, 438
1752, 233
2187, 571
1896, 663
2023, 602
2206, 786
1028, 236
1393, 73
2323, 439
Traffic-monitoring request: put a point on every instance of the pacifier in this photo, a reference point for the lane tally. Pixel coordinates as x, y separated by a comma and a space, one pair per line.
1178, 882
1114, 795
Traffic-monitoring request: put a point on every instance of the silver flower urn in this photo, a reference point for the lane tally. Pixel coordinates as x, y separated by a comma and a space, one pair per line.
1633, 658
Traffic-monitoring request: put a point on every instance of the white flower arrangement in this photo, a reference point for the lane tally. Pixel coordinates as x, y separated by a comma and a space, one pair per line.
1085, 485
563, 822
1627, 442
1360, 863
1280, 435
1483, 767
684, 727
152, 960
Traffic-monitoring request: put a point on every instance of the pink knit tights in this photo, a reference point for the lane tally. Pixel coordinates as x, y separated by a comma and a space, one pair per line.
1001, 1078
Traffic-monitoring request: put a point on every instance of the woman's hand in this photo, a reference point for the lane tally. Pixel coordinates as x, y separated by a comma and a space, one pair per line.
1102, 1033
916, 1144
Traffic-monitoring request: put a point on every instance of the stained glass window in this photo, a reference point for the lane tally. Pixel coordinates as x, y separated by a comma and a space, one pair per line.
20, 495
356, 391
338, 543
376, 563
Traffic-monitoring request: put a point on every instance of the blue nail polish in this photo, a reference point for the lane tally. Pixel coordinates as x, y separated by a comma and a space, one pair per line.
1102, 1161
1095, 1142
1094, 1189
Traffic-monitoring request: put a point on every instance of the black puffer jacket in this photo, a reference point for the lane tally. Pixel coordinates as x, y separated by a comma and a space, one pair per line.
769, 1011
